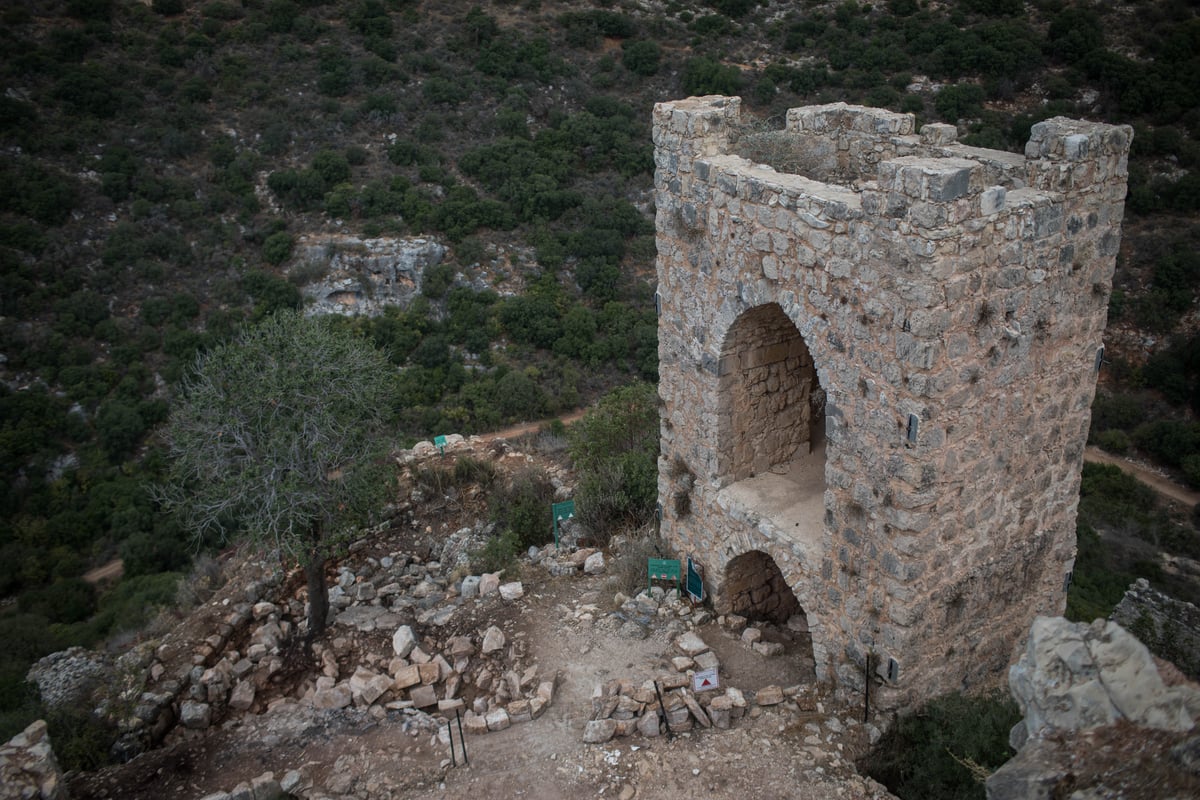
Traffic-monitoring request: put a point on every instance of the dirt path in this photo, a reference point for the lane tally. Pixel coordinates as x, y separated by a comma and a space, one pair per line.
112, 571
532, 427
1161, 484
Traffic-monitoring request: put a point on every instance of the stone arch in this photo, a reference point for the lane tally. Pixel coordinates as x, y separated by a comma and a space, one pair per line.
771, 406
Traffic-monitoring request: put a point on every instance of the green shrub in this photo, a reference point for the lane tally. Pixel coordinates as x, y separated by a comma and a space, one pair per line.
959, 101
641, 57
278, 247
1112, 441
704, 76
615, 450
522, 508
499, 553
922, 755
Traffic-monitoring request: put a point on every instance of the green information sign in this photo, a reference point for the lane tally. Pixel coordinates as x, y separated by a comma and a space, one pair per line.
695, 581
440, 443
561, 512
664, 569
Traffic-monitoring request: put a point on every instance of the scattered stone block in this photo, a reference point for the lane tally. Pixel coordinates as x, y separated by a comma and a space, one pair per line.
519, 711
648, 725
474, 723
599, 731
242, 696
493, 640
512, 591
403, 641
768, 648
769, 696
682, 663
720, 711
408, 676
428, 672
497, 719
594, 564
470, 587
196, 716
690, 644
751, 635
336, 696
696, 711
489, 583
423, 696
707, 661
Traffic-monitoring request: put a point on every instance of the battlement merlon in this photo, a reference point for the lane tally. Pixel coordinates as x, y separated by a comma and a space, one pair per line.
1062, 155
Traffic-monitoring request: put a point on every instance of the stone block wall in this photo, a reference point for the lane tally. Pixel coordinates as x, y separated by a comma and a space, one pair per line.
952, 301
756, 589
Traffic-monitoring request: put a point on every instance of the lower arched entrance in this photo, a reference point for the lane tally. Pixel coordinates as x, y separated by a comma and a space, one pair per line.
756, 590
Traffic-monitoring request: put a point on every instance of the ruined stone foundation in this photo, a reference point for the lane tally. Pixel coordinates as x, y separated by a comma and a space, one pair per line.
877, 374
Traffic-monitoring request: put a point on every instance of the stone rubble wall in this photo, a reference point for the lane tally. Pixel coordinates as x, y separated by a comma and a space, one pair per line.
965, 289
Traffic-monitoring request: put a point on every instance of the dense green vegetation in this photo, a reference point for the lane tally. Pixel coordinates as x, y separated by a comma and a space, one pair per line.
945, 748
163, 161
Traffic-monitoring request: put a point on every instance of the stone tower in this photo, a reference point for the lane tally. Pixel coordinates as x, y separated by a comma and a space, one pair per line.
877, 378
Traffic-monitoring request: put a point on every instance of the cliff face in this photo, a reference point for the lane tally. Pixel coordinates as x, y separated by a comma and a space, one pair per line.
354, 276
1099, 717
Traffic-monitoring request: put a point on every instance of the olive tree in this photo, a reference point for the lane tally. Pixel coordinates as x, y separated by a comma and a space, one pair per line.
275, 439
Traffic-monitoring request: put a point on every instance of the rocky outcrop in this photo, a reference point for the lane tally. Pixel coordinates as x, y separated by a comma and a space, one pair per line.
1075, 676
1089, 683
28, 769
1170, 628
363, 276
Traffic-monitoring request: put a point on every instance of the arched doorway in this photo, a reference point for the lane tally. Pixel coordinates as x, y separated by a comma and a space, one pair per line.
772, 404
756, 590
771, 424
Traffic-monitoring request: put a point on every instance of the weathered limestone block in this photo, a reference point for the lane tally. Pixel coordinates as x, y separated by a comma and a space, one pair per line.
28, 768
598, 731
1075, 676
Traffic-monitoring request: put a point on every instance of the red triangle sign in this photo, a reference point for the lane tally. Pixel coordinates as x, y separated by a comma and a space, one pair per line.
707, 682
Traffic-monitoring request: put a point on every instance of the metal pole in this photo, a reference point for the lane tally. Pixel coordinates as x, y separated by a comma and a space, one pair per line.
667, 722
462, 741
450, 730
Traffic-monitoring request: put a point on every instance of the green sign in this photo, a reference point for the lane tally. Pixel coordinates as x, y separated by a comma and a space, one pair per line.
695, 580
440, 443
664, 569
561, 512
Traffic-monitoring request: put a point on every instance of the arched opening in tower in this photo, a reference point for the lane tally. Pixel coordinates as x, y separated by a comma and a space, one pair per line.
756, 589
772, 423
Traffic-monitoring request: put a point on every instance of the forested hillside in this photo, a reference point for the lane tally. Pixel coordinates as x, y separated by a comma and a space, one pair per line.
163, 161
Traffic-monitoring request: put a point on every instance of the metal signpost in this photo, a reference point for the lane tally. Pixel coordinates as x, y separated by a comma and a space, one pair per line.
695, 581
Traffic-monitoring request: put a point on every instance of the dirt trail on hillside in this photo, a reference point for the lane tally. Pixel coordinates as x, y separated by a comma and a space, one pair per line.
1160, 483
532, 427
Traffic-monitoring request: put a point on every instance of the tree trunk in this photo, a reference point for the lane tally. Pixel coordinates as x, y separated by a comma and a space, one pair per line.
318, 598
